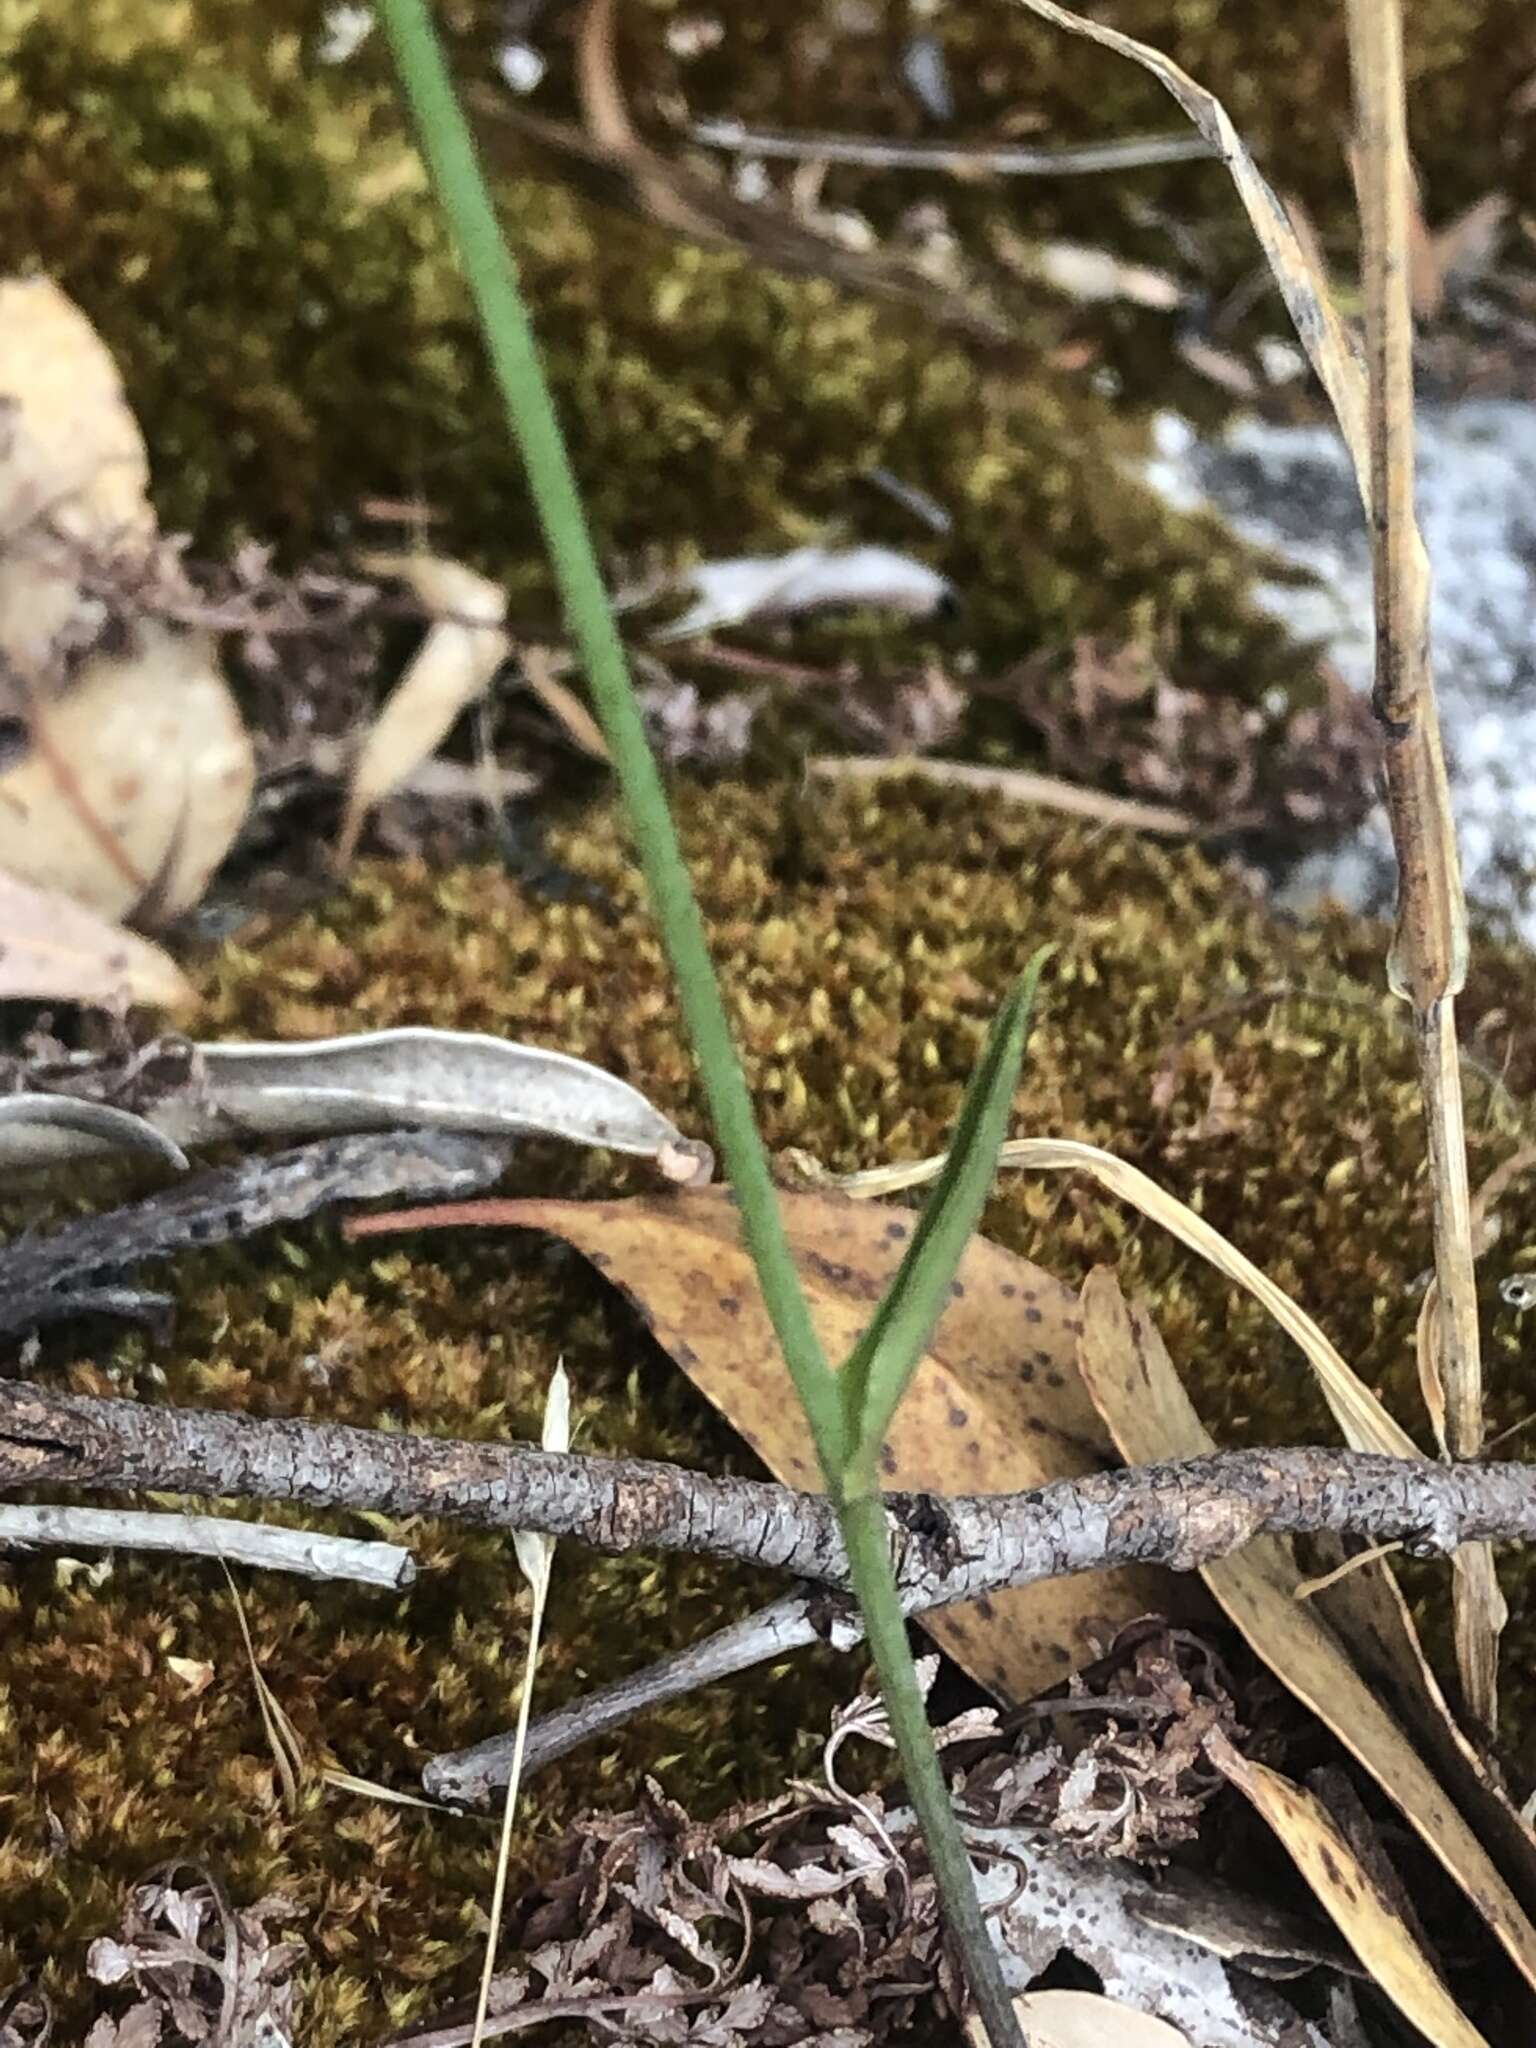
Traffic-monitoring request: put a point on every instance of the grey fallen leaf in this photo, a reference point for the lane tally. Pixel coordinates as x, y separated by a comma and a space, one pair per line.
745, 588
382, 1080
1043, 1897
37, 1130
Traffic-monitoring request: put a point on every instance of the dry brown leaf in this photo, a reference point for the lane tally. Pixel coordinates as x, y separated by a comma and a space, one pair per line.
1138, 1391
1083, 2019
1369, 1921
53, 949
996, 1405
452, 666
73, 471
136, 780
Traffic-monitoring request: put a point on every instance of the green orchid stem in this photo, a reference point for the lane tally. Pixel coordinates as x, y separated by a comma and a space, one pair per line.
866, 1537
492, 278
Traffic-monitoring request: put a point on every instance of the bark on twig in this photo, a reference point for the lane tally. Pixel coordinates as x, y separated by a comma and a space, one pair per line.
469, 1777
1181, 1514
311, 1553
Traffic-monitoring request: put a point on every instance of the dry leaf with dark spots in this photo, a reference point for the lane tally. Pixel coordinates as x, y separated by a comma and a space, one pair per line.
996, 1405
1364, 1915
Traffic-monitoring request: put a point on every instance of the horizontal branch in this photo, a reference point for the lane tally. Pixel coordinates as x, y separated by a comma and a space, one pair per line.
1181, 1515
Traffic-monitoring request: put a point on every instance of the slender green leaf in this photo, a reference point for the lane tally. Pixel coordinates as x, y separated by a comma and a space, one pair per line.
492, 278
875, 1376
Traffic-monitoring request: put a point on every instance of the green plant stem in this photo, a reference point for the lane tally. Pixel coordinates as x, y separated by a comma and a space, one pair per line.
492, 278
866, 1535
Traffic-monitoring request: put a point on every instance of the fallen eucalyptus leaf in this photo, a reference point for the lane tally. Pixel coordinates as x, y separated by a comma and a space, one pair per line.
1138, 1391
414, 1075
135, 780
55, 949
453, 666
996, 1403
1364, 1915
1043, 1898
42, 1130
745, 588
73, 471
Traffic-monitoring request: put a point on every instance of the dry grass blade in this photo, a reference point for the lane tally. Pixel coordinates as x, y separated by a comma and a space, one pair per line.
1375, 415
53, 949
1429, 948
541, 672
283, 1739
1319, 328
1365, 1423
535, 1555
1362, 1912
1137, 1390
1017, 785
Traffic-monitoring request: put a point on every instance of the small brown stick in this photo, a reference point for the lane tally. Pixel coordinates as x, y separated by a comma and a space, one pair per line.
1427, 964
1182, 1514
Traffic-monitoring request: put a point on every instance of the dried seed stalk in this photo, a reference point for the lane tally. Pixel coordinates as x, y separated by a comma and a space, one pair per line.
1427, 965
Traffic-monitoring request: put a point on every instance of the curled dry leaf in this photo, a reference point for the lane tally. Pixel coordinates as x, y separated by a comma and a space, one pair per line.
54, 950
73, 472
455, 662
135, 781
996, 1404
1371, 1923
1136, 1388
383, 1080
43, 1129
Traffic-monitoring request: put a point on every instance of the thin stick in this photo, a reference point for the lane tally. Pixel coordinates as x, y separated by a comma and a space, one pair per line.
1004, 160
1428, 959
311, 1553
1017, 785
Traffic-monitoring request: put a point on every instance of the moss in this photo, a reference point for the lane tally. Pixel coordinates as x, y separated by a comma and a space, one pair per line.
863, 952
214, 198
